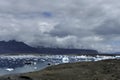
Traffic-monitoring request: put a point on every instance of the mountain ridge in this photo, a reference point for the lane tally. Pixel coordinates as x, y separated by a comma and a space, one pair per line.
14, 46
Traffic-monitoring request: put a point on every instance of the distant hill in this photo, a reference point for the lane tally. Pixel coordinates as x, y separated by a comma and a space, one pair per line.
13, 46
67, 51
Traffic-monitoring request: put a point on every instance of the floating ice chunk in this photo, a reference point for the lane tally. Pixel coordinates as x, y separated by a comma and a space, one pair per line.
65, 59
9, 69
35, 67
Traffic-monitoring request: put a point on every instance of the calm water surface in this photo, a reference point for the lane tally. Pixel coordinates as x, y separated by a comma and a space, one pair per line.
24, 69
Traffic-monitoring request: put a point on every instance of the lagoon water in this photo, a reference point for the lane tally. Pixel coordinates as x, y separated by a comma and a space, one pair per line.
26, 63
24, 69
13, 64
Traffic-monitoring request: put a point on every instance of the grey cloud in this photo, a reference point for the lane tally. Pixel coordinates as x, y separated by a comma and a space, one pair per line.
61, 23
61, 31
109, 27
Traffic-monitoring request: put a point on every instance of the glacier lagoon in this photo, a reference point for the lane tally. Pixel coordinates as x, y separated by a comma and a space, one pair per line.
12, 64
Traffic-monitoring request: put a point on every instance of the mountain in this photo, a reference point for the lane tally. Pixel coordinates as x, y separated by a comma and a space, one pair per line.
67, 51
13, 46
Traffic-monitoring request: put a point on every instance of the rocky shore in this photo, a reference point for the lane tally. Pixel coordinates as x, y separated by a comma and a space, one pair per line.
100, 70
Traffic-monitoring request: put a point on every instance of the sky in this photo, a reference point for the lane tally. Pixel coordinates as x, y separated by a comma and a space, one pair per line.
89, 24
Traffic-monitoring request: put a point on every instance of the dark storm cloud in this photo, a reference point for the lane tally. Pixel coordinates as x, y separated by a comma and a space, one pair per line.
61, 31
109, 27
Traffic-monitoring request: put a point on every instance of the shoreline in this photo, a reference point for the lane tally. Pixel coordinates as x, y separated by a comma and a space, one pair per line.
100, 70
